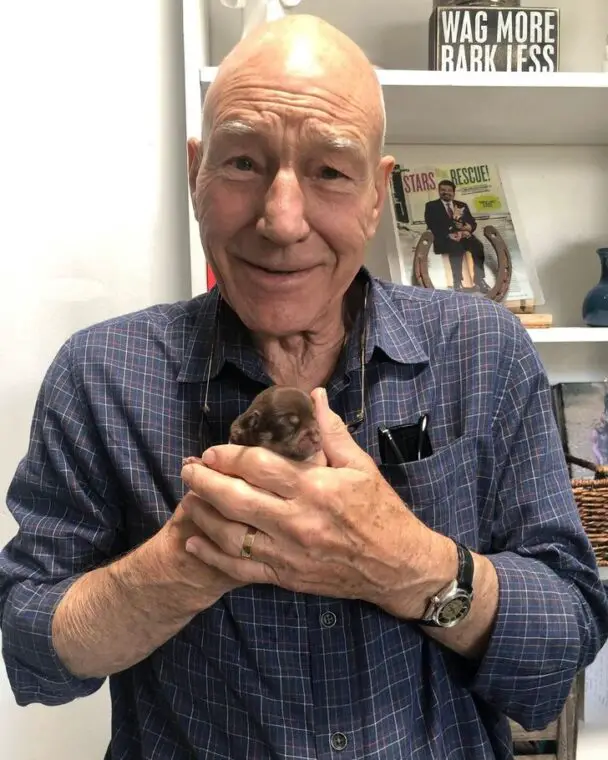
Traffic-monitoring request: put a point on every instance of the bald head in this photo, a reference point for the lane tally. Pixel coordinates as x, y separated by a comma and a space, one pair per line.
307, 50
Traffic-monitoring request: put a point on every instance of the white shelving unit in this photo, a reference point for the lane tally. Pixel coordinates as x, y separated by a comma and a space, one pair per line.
549, 131
514, 113
569, 334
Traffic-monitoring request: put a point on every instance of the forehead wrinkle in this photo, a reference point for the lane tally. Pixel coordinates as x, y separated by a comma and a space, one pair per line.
294, 94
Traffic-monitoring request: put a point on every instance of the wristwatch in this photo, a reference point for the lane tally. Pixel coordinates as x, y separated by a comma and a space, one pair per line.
451, 605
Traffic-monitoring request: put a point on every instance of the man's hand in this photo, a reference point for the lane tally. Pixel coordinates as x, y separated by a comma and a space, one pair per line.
338, 530
202, 584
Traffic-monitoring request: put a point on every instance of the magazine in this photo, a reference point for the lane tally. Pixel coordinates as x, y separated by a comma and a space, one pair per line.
458, 203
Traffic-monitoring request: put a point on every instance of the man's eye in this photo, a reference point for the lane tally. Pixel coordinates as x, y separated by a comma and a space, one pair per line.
328, 172
242, 163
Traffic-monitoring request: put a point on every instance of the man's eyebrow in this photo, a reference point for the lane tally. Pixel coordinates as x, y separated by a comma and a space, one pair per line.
338, 143
234, 128
325, 139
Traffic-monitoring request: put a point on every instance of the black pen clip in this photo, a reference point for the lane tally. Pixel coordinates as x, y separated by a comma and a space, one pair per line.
422, 423
391, 442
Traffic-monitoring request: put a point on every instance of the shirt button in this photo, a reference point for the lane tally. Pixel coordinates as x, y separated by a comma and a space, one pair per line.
328, 619
339, 741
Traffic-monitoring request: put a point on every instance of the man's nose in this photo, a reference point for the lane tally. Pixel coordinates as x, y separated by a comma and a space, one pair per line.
284, 215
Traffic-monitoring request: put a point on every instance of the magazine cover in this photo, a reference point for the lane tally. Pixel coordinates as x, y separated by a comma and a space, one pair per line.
581, 411
457, 203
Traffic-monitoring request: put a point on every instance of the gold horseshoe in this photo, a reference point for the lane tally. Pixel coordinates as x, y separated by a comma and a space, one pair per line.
503, 277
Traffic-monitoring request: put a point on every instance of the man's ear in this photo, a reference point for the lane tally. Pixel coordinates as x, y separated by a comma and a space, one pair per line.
382, 178
195, 156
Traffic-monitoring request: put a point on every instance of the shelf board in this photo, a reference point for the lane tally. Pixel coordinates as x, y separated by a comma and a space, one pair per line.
569, 334
434, 107
443, 108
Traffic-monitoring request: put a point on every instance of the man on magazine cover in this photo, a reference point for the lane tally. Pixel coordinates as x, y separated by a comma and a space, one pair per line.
453, 225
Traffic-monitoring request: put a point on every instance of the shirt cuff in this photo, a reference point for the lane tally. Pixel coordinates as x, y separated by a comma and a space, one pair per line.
35, 672
534, 652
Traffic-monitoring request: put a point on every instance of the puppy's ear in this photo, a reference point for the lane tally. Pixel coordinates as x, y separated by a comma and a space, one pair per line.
244, 426
251, 420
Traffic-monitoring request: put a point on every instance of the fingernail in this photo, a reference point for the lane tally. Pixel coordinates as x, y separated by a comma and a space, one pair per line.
190, 460
209, 457
191, 546
186, 473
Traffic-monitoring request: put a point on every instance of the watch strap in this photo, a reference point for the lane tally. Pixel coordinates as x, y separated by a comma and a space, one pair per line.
465, 568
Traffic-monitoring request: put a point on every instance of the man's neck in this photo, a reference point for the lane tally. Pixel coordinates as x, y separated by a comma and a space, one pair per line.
302, 361
307, 360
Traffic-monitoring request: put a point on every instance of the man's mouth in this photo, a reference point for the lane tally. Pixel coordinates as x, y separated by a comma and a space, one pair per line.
276, 271
270, 270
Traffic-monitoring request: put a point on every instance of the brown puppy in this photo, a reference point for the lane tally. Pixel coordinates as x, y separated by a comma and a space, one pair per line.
281, 418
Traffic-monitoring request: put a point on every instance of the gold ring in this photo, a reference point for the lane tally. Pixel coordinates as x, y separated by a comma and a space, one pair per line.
248, 542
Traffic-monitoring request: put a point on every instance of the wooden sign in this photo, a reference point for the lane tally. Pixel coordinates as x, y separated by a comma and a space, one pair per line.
494, 39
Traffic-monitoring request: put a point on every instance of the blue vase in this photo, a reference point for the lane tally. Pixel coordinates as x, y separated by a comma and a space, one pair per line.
595, 305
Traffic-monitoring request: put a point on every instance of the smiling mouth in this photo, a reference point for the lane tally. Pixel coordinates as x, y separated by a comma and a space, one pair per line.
278, 271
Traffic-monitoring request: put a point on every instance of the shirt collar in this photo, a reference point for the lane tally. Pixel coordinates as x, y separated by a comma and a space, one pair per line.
387, 330
216, 337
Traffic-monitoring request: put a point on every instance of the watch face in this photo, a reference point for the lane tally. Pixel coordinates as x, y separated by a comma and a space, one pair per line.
453, 611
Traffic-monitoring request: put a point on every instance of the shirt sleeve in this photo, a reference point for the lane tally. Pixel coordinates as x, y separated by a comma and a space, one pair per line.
68, 522
552, 610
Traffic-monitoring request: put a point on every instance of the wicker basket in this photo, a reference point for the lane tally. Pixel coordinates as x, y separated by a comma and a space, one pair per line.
591, 496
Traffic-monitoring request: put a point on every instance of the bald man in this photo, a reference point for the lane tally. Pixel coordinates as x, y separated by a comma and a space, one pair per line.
399, 601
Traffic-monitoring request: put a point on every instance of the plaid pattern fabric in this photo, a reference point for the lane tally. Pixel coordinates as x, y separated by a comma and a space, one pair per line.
266, 673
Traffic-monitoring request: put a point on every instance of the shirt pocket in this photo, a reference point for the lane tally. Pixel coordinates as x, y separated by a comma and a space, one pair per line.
441, 489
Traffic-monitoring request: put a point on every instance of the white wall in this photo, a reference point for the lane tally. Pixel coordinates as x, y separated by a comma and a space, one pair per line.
94, 223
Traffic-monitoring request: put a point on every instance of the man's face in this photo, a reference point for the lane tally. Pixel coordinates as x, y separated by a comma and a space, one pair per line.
446, 193
288, 193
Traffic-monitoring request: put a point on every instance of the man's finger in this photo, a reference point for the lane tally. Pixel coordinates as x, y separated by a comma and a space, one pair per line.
339, 446
259, 467
225, 534
234, 498
244, 570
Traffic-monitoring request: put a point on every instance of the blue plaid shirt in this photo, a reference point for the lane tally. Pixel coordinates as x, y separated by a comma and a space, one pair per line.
267, 673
